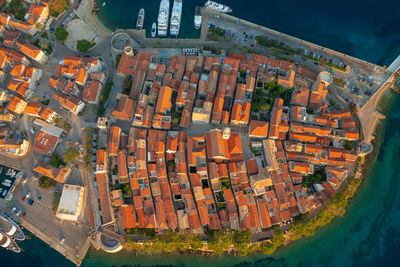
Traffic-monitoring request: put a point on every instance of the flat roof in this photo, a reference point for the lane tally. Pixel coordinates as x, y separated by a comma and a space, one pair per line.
71, 199
47, 127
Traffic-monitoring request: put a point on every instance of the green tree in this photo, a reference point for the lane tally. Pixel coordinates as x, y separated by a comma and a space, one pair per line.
55, 161
84, 45
220, 241
348, 145
194, 241
126, 190
56, 7
46, 182
242, 242
71, 155
61, 34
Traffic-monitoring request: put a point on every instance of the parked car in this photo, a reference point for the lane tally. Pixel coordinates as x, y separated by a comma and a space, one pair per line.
28, 194
18, 212
30, 201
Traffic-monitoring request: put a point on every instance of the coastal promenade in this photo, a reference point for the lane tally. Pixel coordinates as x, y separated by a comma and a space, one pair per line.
368, 115
70, 253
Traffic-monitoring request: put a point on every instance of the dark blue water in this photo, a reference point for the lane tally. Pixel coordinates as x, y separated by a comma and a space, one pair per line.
368, 29
368, 234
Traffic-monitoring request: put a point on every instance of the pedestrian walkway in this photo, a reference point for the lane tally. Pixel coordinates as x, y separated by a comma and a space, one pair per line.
395, 65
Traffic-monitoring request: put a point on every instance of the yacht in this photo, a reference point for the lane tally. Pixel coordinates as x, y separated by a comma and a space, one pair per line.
163, 16
176, 17
140, 19
6, 184
8, 243
154, 30
10, 227
198, 14
218, 7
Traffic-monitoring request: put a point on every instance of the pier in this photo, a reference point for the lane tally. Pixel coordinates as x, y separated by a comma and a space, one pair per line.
368, 114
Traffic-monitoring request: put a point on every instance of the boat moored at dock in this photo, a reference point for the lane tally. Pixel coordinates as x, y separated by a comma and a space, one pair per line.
218, 7
176, 17
140, 20
198, 14
154, 30
163, 17
8, 243
10, 227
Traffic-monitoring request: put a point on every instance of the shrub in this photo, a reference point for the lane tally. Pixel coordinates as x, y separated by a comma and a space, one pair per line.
117, 60
46, 182
84, 45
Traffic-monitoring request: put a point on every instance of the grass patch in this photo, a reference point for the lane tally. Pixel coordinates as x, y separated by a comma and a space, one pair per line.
117, 60
263, 98
339, 82
84, 45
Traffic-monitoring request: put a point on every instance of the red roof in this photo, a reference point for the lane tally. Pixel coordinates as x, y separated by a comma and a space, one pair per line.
127, 214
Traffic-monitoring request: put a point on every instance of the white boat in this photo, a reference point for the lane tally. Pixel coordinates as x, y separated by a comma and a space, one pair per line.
104, 3
10, 227
198, 14
7, 181
4, 193
154, 30
140, 19
218, 7
8, 243
6, 184
163, 17
176, 17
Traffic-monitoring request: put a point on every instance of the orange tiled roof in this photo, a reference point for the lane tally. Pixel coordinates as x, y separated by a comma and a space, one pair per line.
259, 129
104, 196
33, 108
127, 214
91, 91
113, 141
45, 143
164, 100
124, 110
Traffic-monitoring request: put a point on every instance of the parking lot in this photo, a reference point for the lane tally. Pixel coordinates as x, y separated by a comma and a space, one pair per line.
67, 237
